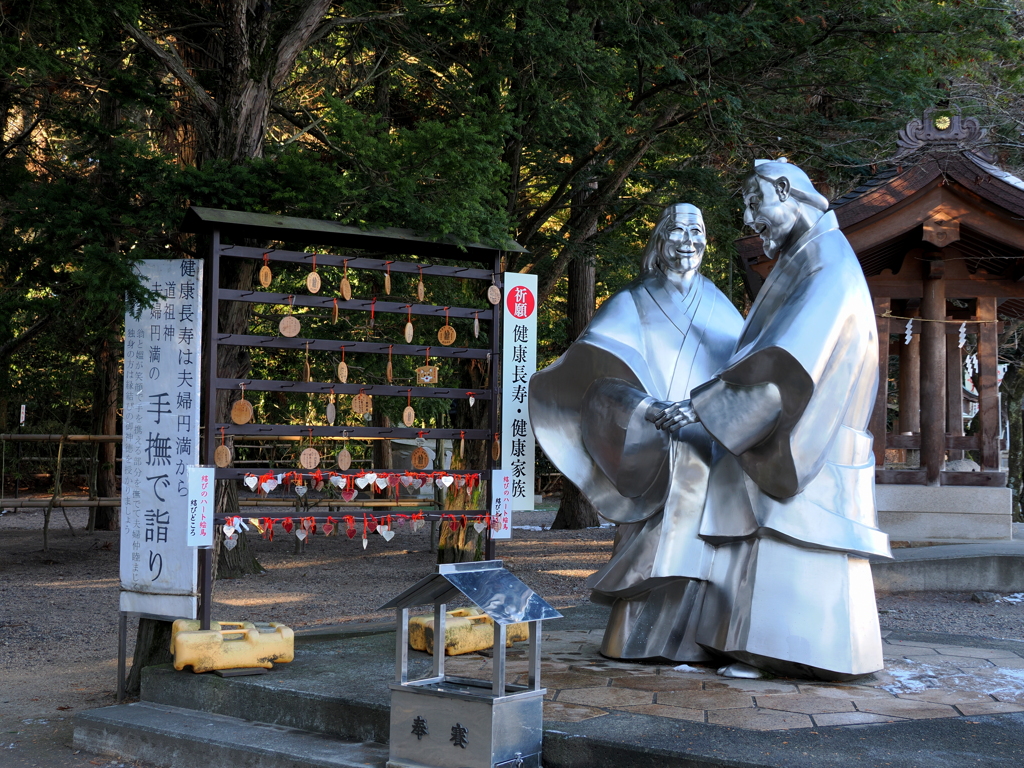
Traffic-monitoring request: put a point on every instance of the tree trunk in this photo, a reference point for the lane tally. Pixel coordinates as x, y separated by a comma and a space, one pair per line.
152, 646
575, 511
1013, 393
105, 402
466, 544
241, 560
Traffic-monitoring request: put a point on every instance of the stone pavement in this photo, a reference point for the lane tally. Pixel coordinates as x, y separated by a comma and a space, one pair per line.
923, 680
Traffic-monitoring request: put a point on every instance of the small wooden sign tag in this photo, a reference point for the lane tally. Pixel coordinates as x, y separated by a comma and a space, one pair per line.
426, 375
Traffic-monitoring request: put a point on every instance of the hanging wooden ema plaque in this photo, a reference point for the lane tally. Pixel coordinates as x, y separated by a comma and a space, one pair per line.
345, 289
241, 410
494, 293
426, 374
476, 325
266, 276
343, 367
332, 410
408, 415
389, 371
290, 325
313, 281
387, 278
408, 324
362, 403
344, 457
307, 373
447, 334
421, 289
420, 458
310, 457
222, 456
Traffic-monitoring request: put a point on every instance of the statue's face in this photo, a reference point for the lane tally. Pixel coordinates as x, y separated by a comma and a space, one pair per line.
770, 211
683, 246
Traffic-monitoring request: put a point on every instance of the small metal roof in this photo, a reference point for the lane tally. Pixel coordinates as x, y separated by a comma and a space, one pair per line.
487, 584
322, 232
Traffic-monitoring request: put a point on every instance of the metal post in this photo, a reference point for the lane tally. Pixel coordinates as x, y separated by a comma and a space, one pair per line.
439, 638
499, 659
122, 654
402, 645
206, 592
533, 672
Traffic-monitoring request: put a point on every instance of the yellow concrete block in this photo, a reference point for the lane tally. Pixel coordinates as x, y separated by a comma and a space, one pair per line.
465, 630
230, 645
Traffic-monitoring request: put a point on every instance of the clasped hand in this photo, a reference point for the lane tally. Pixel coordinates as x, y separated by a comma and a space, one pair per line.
667, 416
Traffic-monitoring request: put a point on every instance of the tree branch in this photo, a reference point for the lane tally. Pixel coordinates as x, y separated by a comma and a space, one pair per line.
295, 40
173, 63
12, 346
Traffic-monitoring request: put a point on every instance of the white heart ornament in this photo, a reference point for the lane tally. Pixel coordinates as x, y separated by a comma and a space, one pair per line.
479, 527
381, 483
447, 480
362, 482
251, 482
300, 534
407, 481
438, 482
267, 486
417, 525
300, 490
229, 530
460, 481
230, 543
386, 532
371, 476
336, 481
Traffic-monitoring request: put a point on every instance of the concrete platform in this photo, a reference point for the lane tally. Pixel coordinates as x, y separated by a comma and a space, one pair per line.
944, 514
942, 701
996, 566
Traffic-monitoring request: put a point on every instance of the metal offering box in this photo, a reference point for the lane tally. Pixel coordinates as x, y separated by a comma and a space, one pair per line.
443, 721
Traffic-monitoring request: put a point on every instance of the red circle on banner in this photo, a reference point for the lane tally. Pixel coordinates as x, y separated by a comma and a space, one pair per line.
520, 302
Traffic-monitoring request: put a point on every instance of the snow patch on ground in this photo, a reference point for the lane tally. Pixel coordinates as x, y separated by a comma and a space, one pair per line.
688, 668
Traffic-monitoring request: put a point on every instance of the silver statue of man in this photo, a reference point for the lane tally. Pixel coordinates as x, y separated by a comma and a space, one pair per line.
790, 502
651, 342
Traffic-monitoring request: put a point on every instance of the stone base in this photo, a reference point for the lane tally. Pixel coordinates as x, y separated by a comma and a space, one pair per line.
944, 514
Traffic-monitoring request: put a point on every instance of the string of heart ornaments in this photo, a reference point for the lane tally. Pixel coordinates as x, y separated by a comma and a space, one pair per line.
350, 485
329, 525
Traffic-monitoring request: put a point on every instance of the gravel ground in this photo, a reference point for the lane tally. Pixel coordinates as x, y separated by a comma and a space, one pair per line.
58, 609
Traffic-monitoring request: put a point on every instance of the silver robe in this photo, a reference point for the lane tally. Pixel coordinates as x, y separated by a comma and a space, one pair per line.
658, 343
791, 499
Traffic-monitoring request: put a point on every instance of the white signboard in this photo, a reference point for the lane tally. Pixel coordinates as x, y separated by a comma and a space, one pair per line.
501, 504
518, 364
161, 440
199, 531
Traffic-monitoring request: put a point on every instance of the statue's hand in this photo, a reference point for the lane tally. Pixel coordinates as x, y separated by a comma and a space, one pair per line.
668, 416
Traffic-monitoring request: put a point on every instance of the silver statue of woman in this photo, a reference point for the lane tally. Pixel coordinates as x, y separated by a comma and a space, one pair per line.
665, 333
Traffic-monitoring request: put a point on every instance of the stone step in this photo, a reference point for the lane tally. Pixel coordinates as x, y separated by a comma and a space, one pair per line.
181, 738
301, 696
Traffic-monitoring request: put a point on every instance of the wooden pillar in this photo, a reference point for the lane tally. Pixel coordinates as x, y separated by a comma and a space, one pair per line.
910, 385
878, 415
933, 374
988, 392
954, 390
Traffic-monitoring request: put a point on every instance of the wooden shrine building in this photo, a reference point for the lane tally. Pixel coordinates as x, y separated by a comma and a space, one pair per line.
940, 235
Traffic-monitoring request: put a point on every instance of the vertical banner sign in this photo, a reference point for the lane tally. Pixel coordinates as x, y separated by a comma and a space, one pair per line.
501, 504
200, 507
161, 440
518, 364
